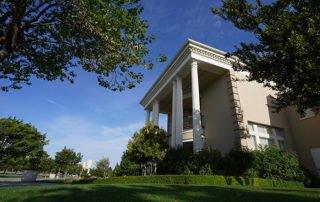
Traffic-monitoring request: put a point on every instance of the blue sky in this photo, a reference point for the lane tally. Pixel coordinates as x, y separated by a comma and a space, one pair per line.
98, 122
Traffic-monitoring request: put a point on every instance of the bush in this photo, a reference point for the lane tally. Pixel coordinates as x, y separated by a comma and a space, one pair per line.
183, 161
190, 179
153, 179
236, 180
268, 162
205, 179
258, 182
272, 163
207, 162
239, 161
176, 161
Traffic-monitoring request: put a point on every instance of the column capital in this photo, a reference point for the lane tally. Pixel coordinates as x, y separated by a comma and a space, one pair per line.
194, 64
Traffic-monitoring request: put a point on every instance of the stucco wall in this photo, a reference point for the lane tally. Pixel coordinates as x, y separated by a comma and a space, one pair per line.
254, 99
215, 108
306, 135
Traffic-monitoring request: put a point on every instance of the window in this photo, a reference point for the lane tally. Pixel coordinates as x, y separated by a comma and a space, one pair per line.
265, 135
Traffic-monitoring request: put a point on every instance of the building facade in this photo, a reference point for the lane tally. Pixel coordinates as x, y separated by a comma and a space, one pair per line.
209, 105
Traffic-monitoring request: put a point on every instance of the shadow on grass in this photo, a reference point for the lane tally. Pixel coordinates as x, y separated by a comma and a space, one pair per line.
158, 193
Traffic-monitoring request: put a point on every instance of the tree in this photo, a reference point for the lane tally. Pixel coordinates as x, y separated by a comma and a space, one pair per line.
286, 56
103, 165
66, 159
117, 170
47, 38
47, 164
127, 166
148, 147
20, 143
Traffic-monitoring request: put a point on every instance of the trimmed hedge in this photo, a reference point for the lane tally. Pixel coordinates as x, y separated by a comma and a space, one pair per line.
192, 179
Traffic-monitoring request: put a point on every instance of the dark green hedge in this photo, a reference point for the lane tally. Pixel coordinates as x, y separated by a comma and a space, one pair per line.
191, 179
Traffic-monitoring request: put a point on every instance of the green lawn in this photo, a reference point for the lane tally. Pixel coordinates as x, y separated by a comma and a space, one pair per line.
146, 192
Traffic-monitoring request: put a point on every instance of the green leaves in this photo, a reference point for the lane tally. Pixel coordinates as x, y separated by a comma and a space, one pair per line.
20, 143
148, 145
105, 37
286, 57
67, 158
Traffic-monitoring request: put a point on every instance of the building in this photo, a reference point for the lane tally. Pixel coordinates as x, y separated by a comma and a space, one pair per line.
87, 165
209, 105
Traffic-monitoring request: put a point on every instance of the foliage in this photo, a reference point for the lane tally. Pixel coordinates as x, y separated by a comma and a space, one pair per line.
47, 164
207, 162
149, 145
286, 54
128, 167
47, 38
20, 144
268, 162
273, 163
66, 159
103, 164
176, 161
117, 170
239, 161
191, 179
183, 161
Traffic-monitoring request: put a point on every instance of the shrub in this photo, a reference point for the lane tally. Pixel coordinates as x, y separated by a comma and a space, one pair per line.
190, 179
272, 163
239, 161
206, 162
204, 179
236, 180
183, 161
176, 161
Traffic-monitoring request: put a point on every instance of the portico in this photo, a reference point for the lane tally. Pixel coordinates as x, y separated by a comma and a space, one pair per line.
177, 92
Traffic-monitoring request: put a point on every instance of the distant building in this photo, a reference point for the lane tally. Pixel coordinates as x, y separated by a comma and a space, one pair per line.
87, 165
209, 105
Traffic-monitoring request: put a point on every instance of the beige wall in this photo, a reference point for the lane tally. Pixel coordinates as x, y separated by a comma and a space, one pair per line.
306, 135
254, 99
215, 108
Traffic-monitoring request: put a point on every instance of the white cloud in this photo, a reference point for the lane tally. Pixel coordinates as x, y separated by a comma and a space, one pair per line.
55, 103
93, 140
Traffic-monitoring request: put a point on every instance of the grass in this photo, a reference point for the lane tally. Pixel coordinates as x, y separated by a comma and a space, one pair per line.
148, 192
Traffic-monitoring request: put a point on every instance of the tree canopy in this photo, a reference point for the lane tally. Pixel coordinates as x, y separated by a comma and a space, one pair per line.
20, 143
66, 159
286, 56
148, 146
46, 39
103, 164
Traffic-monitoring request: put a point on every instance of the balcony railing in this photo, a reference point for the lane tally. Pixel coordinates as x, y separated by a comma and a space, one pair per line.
187, 122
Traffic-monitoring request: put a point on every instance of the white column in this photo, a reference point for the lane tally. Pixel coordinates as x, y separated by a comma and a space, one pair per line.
169, 123
173, 114
179, 113
196, 117
147, 116
155, 113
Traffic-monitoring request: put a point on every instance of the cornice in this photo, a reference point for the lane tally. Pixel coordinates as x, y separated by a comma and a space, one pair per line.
189, 47
210, 55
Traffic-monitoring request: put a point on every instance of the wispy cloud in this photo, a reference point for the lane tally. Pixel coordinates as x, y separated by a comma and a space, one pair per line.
55, 103
92, 139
